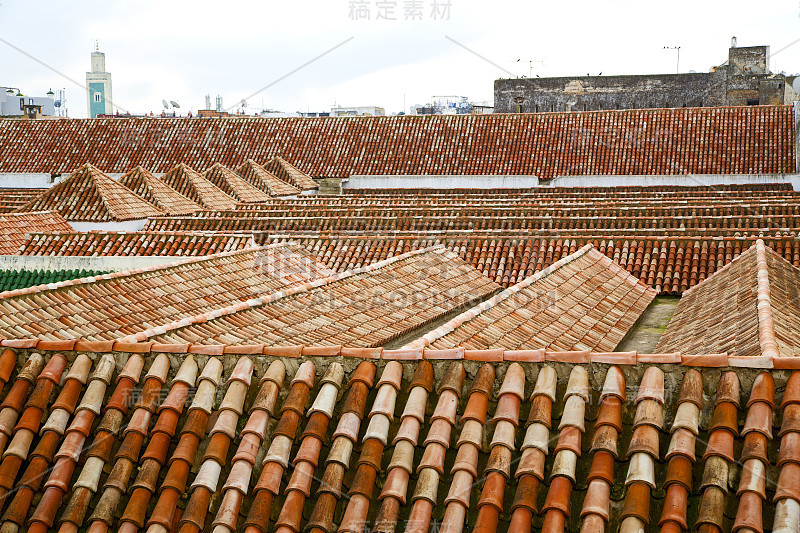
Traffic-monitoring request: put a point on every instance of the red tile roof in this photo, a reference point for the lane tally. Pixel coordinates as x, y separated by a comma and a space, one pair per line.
366, 307
465, 447
88, 195
14, 199
112, 305
290, 174
260, 177
198, 189
671, 265
158, 193
584, 301
232, 185
14, 226
108, 243
715, 140
748, 308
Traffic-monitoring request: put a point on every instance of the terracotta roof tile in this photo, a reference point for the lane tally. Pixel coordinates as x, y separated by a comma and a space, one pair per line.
114, 305
583, 301
88, 195
197, 188
290, 174
158, 193
367, 478
265, 180
663, 263
362, 308
748, 308
724, 140
13, 199
14, 226
232, 185
107, 243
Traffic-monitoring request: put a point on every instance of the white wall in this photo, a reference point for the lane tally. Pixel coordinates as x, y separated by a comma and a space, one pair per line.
33, 262
690, 180
128, 225
439, 182
25, 180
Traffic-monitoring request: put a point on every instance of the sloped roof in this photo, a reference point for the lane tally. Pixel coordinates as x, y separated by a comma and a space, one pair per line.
158, 193
14, 226
584, 301
233, 185
20, 279
748, 308
291, 174
596, 449
88, 195
123, 303
671, 265
15, 198
122, 243
707, 140
260, 177
198, 189
366, 307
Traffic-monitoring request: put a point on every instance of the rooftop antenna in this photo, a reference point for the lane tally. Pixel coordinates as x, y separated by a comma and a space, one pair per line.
174, 104
165, 104
530, 64
677, 49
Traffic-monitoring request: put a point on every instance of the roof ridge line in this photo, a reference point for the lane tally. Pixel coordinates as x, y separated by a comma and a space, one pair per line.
113, 275
106, 186
766, 325
473, 312
620, 270
735, 260
278, 295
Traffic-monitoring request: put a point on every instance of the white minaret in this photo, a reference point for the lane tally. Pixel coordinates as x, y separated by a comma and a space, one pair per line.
98, 86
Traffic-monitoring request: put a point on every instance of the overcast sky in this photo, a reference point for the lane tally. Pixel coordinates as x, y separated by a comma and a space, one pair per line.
182, 50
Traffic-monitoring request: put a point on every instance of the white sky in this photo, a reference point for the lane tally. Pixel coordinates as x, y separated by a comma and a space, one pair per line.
181, 50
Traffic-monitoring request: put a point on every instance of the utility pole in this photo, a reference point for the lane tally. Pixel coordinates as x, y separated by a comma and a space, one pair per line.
677, 49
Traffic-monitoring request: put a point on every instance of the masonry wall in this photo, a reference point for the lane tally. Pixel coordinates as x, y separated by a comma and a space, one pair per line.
596, 93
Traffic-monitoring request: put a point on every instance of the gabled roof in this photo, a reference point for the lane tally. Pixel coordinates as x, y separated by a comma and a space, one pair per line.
365, 307
122, 303
14, 226
707, 140
140, 243
198, 189
751, 307
584, 301
158, 193
233, 185
671, 265
88, 195
291, 174
260, 177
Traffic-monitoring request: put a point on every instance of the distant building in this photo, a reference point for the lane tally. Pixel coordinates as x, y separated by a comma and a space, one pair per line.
450, 105
14, 104
744, 79
359, 111
98, 85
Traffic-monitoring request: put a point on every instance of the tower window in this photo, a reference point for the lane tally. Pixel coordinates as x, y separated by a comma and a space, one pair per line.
97, 97
752, 101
